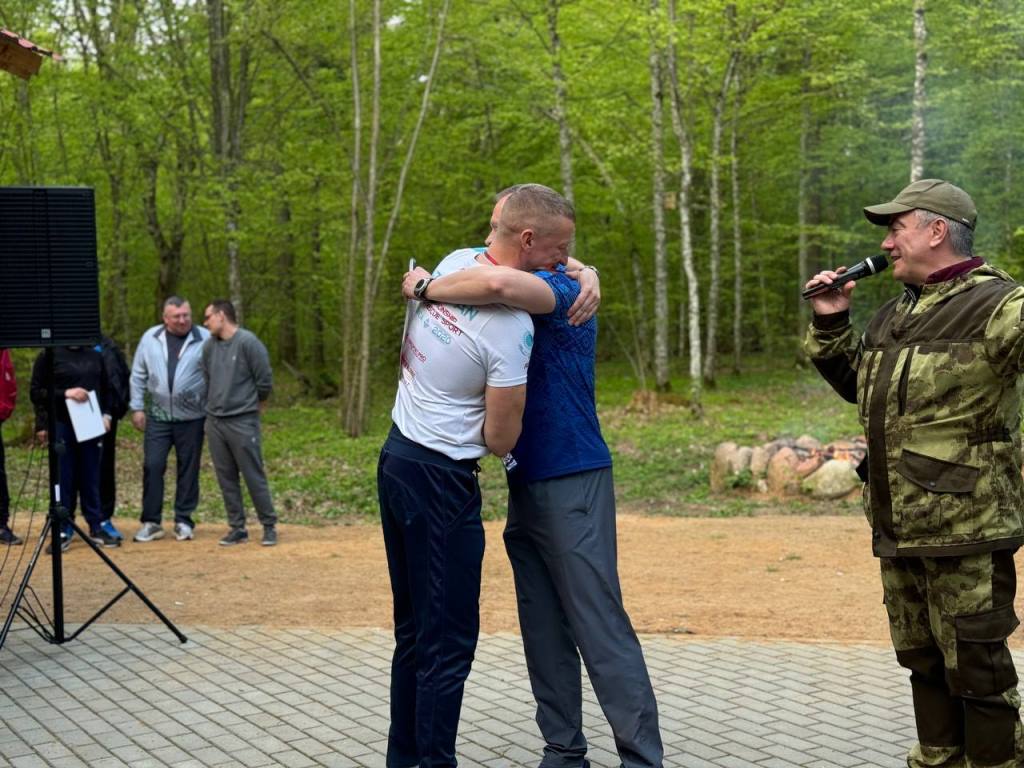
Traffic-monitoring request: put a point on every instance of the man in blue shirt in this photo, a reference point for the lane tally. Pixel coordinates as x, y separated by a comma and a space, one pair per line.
560, 533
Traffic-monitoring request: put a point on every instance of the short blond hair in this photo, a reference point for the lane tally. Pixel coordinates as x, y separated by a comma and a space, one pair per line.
532, 206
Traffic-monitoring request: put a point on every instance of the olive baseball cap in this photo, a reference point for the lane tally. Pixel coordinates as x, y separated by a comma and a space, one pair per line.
933, 195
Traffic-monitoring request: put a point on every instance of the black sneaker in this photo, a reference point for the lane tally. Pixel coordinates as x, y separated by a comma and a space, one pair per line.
269, 536
66, 536
104, 539
7, 537
235, 536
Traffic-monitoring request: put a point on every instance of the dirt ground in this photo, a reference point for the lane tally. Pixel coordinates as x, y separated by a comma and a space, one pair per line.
771, 577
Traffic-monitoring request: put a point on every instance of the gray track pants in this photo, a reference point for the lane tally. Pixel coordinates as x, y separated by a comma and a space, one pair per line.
235, 447
560, 537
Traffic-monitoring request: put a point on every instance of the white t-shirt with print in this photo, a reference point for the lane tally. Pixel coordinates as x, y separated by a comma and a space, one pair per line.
449, 354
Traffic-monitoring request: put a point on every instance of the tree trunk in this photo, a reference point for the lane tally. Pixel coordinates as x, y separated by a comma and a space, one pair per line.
168, 244
692, 320
661, 374
917, 130
287, 338
229, 101
714, 225
374, 261
802, 315
640, 342
357, 418
317, 356
737, 235
349, 383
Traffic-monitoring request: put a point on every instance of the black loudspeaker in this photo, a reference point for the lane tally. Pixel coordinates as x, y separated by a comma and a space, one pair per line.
49, 277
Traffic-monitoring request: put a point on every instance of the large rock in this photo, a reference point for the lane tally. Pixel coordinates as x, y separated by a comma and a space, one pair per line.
833, 480
721, 465
759, 457
808, 443
809, 465
782, 475
740, 461
779, 443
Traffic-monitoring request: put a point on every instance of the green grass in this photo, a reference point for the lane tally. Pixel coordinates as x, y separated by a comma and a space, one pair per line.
319, 475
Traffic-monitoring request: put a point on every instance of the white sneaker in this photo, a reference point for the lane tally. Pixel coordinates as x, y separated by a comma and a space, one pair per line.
183, 531
149, 532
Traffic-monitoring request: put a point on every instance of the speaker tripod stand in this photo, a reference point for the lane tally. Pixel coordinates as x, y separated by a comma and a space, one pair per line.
52, 628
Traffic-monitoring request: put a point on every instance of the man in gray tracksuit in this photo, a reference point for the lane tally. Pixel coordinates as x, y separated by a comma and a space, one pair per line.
236, 367
168, 404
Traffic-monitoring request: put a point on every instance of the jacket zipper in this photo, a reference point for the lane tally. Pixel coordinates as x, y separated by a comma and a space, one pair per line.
901, 392
872, 360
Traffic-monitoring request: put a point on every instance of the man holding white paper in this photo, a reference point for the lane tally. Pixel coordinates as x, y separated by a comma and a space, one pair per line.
80, 383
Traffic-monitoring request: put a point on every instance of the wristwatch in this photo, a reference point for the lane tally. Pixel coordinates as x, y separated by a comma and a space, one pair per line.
420, 290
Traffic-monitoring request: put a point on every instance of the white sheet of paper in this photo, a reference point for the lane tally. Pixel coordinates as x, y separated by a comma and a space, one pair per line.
86, 418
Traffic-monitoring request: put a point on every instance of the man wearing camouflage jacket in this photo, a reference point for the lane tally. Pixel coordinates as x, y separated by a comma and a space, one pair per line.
937, 378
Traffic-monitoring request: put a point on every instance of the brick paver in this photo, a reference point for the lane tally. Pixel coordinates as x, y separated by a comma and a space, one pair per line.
132, 696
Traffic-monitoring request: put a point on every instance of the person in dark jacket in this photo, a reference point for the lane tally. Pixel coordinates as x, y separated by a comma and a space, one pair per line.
77, 370
8, 397
118, 375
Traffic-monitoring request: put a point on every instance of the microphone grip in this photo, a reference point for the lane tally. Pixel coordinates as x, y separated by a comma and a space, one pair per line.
815, 290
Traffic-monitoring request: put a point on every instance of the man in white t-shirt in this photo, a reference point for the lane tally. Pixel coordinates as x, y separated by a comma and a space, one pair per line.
460, 395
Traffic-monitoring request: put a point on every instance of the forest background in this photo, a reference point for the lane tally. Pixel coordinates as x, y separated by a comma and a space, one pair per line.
293, 155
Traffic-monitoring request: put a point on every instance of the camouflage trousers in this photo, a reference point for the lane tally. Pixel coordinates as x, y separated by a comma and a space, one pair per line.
949, 618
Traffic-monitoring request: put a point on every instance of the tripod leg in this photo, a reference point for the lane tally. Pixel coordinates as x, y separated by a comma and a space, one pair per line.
24, 581
130, 586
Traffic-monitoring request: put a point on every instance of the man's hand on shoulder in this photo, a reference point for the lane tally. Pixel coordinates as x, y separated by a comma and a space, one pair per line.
586, 304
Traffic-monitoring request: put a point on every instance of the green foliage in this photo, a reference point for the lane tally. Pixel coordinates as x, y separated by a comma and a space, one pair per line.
130, 112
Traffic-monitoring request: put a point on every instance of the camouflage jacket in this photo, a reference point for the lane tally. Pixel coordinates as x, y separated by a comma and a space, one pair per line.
937, 382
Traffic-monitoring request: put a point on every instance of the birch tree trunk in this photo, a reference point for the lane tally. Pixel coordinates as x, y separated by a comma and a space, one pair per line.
692, 323
661, 375
357, 412
349, 381
374, 260
737, 234
802, 316
762, 281
714, 225
917, 130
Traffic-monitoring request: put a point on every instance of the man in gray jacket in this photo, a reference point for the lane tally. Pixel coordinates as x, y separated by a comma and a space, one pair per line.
168, 403
237, 371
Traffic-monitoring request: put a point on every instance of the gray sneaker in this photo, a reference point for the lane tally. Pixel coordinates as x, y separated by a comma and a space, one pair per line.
235, 536
149, 532
183, 531
269, 536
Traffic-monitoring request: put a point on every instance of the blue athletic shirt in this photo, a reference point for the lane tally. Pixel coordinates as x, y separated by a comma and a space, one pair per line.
561, 435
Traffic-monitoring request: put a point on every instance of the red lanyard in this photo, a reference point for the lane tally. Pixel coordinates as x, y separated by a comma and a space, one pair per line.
490, 258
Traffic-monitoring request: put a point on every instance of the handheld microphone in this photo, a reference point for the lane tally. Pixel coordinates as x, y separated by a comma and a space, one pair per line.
867, 268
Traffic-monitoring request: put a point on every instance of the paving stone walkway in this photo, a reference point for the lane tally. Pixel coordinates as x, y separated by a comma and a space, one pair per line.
130, 695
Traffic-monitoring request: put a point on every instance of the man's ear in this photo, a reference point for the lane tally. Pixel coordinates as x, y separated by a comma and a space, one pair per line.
940, 230
526, 238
